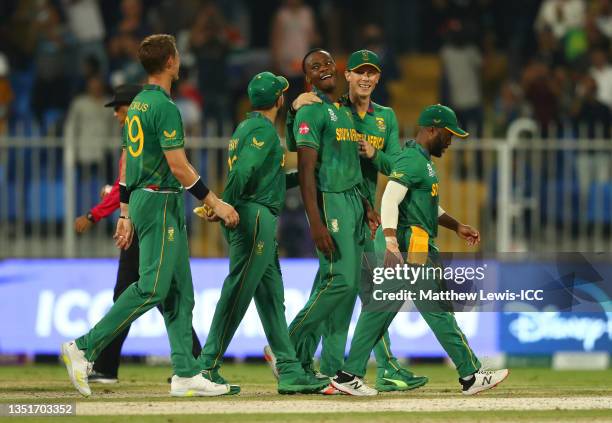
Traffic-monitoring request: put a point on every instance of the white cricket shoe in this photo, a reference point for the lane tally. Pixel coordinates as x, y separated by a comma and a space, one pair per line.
483, 380
78, 367
355, 386
196, 386
271, 360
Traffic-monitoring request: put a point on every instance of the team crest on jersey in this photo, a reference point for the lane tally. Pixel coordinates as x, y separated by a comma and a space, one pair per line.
380, 122
170, 135
170, 233
334, 227
259, 248
332, 115
257, 144
430, 170
303, 129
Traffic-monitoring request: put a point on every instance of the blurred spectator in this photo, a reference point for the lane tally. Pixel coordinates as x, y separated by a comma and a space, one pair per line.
591, 117
507, 107
294, 32
89, 126
549, 51
564, 80
560, 16
603, 17
85, 23
52, 59
601, 71
189, 102
6, 93
124, 42
462, 65
210, 49
541, 93
373, 38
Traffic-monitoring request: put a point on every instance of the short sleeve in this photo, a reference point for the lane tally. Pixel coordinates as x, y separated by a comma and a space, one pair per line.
404, 170
169, 126
308, 127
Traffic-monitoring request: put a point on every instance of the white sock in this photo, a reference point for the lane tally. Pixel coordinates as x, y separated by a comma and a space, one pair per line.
467, 378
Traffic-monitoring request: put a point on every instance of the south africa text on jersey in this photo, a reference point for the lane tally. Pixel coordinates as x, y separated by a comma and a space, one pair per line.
346, 134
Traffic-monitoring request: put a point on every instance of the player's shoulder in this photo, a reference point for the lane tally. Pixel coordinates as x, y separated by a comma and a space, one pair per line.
408, 155
379, 109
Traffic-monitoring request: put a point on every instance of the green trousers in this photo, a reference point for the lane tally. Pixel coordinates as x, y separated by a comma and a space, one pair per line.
332, 353
165, 278
372, 325
332, 300
254, 274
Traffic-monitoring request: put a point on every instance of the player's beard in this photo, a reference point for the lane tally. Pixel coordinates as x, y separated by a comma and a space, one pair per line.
437, 146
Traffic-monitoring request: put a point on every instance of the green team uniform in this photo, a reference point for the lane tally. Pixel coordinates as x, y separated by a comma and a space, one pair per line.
416, 232
256, 188
154, 125
378, 126
328, 128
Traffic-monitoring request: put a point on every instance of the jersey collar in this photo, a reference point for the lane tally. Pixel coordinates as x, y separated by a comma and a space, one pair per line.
346, 101
154, 87
321, 95
257, 115
419, 147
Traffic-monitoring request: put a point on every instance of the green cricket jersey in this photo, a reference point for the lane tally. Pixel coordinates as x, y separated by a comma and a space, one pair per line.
256, 162
414, 169
378, 126
328, 128
153, 124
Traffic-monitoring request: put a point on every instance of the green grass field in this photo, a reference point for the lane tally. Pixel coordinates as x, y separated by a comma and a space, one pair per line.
527, 395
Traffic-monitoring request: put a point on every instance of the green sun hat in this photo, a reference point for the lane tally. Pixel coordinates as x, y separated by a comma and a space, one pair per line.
363, 58
439, 116
265, 88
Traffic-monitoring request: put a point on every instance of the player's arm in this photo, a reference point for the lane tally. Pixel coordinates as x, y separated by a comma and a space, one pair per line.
309, 127
471, 235
389, 214
171, 140
190, 179
303, 99
125, 230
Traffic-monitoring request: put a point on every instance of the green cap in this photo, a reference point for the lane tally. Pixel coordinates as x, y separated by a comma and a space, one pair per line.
265, 88
362, 58
439, 116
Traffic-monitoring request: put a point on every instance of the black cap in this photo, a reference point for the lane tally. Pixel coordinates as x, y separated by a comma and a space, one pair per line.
124, 94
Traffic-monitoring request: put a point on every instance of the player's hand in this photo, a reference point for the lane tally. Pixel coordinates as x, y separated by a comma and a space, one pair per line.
82, 224
205, 212
305, 99
366, 149
471, 235
227, 213
124, 233
322, 239
393, 256
373, 220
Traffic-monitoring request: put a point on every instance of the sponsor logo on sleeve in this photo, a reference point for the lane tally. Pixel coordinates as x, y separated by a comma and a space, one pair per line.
303, 129
170, 135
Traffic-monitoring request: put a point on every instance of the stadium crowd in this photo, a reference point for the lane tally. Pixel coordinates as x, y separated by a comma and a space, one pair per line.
549, 60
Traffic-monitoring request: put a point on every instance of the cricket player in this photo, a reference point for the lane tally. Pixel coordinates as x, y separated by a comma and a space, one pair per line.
378, 140
154, 171
410, 215
106, 367
330, 176
256, 186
